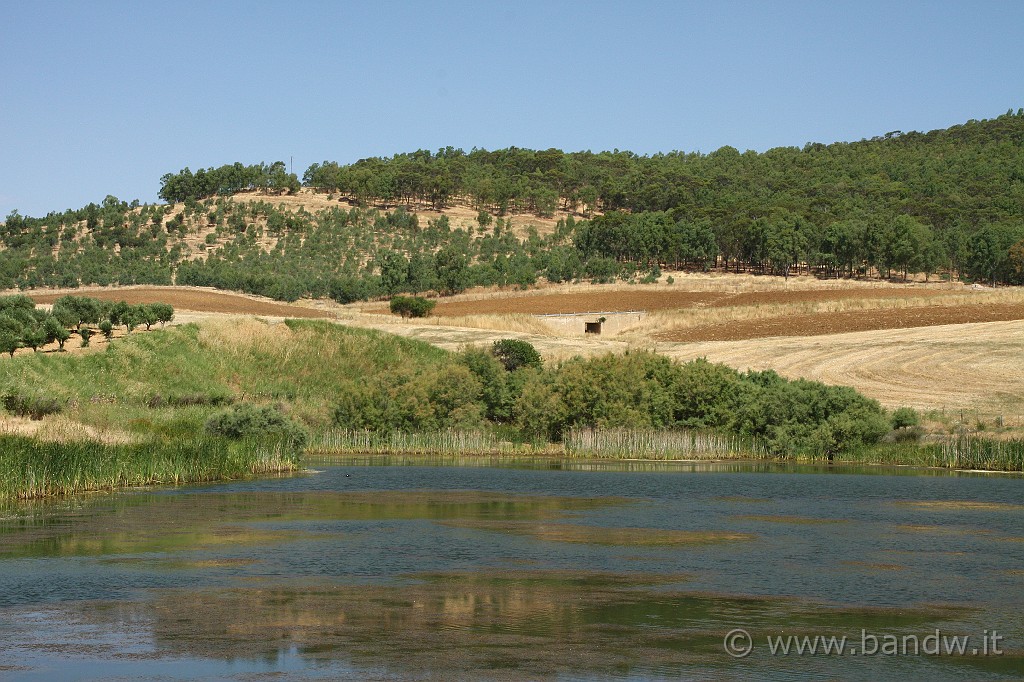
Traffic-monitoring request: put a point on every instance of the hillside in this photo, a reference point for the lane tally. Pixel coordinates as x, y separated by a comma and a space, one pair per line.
903, 205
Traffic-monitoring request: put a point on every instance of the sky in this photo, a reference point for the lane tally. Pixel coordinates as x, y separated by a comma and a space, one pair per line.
103, 98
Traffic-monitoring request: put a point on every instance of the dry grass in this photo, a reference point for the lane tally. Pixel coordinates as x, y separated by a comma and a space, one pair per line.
512, 322
61, 429
235, 334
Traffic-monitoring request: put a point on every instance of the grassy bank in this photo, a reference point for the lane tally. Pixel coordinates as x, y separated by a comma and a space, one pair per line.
30, 468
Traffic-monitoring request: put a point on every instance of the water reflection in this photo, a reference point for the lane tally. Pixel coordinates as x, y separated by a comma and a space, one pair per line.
499, 573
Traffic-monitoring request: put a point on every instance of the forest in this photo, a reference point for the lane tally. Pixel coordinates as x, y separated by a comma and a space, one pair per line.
947, 203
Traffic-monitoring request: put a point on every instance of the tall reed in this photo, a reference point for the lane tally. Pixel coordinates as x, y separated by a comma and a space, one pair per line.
963, 452
654, 444
31, 468
450, 441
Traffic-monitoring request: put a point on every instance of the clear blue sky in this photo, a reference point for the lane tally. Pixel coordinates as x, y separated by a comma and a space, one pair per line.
104, 97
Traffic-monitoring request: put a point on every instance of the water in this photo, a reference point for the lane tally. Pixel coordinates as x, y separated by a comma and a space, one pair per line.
561, 570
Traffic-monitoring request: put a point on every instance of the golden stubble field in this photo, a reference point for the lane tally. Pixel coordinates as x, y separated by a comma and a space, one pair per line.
936, 346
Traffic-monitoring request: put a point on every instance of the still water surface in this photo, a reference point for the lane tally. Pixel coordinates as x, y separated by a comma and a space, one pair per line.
562, 571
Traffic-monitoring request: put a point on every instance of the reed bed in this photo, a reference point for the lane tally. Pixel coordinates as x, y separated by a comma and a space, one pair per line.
448, 442
649, 444
30, 468
964, 452
652, 444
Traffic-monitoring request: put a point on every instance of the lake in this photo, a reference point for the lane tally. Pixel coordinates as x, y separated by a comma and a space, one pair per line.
544, 569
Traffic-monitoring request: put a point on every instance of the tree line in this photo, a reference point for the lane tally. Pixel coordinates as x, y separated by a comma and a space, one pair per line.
226, 180
23, 325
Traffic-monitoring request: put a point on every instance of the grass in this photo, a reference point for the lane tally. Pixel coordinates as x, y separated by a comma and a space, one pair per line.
30, 468
302, 363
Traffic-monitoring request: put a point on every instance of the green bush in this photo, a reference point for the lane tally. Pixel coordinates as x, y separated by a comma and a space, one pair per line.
252, 421
33, 407
905, 417
645, 390
411, 306
439, 397
515, 354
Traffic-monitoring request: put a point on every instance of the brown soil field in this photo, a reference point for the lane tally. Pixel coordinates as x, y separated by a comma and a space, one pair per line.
197, 300
660, 299
843, 322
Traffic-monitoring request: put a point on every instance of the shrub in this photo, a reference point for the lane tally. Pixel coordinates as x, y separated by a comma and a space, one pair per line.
906, 434
85, 333
249, 421
33, 407
515, 354
411, 306
447, 396
904, 417
190, 399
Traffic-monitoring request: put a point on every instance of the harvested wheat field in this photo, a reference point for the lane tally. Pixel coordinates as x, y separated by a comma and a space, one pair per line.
842, 322
189, 299
639, 298
975, 366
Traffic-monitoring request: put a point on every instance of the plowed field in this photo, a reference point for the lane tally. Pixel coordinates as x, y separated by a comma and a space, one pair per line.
196, 300
820, 324
615, 301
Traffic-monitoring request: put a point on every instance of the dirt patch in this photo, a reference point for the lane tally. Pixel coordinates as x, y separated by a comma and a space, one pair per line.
842, 322
660, 299
197, 300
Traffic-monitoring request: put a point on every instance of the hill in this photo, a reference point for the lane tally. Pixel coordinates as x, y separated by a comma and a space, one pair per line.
903, 204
